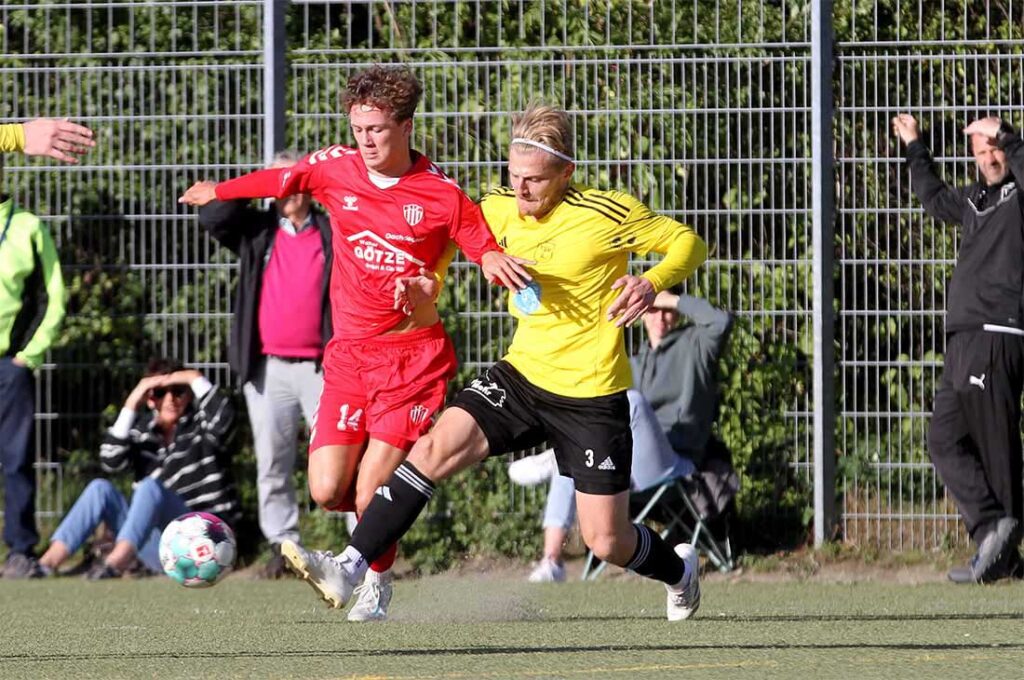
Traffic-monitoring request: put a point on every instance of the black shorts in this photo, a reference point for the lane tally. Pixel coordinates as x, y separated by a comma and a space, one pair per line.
591, 436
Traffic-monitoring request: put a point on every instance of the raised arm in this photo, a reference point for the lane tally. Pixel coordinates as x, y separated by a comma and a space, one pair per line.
938, 199
55, 138
303, 177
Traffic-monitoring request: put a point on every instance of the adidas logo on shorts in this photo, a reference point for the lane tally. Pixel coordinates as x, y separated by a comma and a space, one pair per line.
606, 464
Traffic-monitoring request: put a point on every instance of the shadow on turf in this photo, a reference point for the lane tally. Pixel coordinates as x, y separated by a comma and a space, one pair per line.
727, 618
485, 651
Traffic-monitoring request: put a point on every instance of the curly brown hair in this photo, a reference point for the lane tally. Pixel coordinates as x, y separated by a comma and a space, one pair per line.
388, 88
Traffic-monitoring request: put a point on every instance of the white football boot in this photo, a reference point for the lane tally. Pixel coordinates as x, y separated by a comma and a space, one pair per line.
373, 596
533, 470
684, 597
321, 570
548, 571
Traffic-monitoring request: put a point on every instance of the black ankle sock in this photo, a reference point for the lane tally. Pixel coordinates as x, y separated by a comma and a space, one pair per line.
392, 512
654, 558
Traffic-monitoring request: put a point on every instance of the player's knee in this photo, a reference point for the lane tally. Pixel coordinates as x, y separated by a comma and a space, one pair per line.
326, 493
606, 546
427, 457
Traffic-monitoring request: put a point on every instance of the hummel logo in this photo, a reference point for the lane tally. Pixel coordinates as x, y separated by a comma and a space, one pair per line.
350, 203
384, 491
347, 422
980, 382
606, 464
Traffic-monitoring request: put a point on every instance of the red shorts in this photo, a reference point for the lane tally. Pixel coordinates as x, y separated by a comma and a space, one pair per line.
388, 388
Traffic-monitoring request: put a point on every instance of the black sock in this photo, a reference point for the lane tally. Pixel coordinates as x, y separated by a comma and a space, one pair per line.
654, 558
392, 512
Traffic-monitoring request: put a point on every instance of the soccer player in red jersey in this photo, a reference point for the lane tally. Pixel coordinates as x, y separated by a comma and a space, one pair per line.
393, 215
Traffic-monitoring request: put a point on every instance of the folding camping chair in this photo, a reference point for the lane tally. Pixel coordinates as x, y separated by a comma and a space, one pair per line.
670, 497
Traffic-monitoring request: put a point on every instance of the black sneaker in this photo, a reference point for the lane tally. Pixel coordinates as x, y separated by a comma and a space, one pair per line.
20, 565
994, 560
102, 571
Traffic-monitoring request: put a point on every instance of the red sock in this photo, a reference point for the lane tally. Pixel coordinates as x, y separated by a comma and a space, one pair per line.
385, 561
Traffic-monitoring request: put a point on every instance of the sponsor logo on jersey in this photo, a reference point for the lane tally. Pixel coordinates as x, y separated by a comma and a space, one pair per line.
978, 382
379, 255
490, 391
413, 214
418, 414
350, 203
404, 237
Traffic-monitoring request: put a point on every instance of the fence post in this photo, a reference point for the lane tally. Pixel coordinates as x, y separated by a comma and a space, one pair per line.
823, 215
273, 77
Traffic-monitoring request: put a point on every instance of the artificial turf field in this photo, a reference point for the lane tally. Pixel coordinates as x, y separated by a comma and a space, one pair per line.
483, 627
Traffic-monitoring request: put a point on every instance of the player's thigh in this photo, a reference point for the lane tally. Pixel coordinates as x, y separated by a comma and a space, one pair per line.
455, 443
493, 414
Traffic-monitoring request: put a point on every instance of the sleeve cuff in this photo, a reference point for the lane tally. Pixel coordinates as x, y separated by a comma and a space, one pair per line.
200, 386
123, 425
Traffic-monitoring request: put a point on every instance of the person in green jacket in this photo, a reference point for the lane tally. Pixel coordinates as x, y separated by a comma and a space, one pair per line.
31, 309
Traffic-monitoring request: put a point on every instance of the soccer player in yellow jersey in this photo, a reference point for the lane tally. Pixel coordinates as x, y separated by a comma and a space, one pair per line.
565, 377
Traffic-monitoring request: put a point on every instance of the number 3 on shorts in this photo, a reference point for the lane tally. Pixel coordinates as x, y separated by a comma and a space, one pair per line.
590, 457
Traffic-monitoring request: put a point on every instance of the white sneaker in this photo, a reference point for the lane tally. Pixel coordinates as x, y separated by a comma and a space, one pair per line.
684, 598
533, 470
321, 570
373, 597
548, 571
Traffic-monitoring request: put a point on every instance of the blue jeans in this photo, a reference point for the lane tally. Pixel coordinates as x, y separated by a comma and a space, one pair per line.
17, 406
140, 522
654, 462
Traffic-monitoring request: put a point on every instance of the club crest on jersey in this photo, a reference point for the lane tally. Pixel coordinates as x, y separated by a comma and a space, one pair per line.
418, 414
350, 203
413, 214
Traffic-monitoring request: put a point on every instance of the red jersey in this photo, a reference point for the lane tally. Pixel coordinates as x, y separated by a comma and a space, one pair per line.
379, 234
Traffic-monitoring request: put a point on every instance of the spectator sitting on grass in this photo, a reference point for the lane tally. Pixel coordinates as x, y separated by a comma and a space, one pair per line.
177, 450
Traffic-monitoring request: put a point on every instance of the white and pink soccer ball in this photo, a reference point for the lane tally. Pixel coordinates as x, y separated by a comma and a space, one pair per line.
197, 549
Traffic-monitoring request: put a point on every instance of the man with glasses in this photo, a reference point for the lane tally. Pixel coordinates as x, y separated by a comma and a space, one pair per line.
172, 433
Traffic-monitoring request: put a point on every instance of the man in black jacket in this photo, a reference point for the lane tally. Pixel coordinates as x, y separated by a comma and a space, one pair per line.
974, 439
281, 324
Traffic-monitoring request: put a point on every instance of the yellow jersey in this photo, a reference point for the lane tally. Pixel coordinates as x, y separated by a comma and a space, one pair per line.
564, 342
12, 137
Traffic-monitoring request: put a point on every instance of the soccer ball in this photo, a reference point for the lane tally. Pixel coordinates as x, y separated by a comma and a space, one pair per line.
197, 549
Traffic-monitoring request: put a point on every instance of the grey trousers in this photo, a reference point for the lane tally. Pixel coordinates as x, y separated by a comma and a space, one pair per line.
281, 393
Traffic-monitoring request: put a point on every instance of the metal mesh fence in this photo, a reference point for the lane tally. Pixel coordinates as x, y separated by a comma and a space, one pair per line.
701, 108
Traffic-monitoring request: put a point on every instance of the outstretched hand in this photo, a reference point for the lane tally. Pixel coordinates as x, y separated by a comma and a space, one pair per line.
505, 270
637, 297
905, 126
199, 194
57, 138
412, 291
